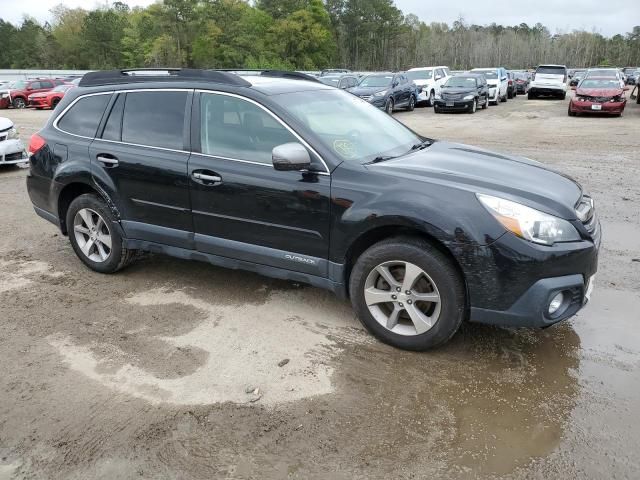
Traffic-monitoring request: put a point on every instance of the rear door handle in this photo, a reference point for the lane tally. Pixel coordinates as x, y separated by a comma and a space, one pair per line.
207, 178
108, 161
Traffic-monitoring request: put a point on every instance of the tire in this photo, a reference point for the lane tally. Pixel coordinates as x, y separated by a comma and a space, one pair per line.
54, 103
412, 104
474, 106
570, 112
564, 96
509, 94
19, 103
504, 99
388, 107
432, 99
81, 229
436, 109
530, 96
485, 105
438, 278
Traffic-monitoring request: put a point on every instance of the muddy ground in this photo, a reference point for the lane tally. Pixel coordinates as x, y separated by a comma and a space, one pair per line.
169, 369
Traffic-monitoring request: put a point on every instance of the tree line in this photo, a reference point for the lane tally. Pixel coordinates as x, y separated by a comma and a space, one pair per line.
291, 34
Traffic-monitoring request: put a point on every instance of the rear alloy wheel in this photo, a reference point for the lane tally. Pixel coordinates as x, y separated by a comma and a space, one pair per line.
407, 294
94, 237
388, 107
19, 103
474, 106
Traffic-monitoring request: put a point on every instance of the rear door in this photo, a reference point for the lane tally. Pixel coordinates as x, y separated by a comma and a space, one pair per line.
242, 207
140, 159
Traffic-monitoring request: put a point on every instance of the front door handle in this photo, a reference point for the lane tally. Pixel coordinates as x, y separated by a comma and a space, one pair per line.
207, 179
108, 161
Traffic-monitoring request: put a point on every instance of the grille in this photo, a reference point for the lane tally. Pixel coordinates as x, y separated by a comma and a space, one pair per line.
451, 96
598, 99
13, 156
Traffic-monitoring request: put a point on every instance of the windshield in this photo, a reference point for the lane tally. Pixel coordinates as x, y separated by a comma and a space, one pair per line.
419, 74
376, 81
603, 73
600, 83
551, 70
350, 127
333, 81
488, 74
461, 81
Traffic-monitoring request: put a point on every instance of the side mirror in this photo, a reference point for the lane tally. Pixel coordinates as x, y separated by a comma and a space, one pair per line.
290, 156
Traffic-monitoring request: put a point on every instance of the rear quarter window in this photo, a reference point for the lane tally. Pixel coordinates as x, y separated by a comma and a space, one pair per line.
84, 115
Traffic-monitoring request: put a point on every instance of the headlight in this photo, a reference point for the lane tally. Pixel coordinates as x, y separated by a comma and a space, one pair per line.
468, 97
4, 95
13, 133
380, 94
529, 223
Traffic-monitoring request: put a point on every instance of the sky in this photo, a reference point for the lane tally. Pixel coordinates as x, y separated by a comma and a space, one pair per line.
606, 17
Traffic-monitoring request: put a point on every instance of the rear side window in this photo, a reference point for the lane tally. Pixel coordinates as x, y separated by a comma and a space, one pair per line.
155, 119
84, 116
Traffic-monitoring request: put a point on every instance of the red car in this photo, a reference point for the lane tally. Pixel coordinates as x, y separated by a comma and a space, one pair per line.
17, 93
598, 95
48, 99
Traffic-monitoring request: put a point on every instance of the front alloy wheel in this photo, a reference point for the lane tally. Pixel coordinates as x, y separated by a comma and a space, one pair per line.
402, 298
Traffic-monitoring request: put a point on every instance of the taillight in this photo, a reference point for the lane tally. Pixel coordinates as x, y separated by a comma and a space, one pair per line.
36, 144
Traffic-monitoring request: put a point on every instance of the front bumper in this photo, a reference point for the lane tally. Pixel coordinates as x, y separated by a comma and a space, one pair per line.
457, 105
5, 102
510, 282
40, 102
12, 152
494, 94
611, 108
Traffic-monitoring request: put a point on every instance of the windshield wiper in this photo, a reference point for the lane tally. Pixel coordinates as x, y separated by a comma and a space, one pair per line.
381, 158
421, 145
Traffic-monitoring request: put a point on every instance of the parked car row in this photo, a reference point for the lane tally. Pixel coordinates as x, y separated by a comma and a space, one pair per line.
37, 92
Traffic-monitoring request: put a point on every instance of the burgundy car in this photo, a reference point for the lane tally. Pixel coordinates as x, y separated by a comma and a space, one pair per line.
17, 93
598, 95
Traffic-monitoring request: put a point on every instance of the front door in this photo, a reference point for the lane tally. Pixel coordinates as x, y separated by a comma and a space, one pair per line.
242, 207
140, 160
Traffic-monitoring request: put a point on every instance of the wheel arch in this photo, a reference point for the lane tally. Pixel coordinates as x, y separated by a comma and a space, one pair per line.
377, 234
73, 190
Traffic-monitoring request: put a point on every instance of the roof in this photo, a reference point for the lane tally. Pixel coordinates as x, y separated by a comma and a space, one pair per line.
417, 69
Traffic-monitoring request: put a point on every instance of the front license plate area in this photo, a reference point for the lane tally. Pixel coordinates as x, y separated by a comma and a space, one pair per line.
449, 104
596, 107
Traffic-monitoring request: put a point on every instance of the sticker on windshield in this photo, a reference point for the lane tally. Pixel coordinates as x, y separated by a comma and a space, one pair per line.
344, 148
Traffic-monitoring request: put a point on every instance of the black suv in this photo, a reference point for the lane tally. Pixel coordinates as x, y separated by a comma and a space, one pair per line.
297, 180
388, 91
463, 93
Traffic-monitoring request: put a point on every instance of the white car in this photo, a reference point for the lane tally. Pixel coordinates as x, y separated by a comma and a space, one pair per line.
11, 147
498, 82
549, 80
429, 80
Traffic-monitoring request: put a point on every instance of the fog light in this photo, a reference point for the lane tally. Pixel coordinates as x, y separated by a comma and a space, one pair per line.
556, 303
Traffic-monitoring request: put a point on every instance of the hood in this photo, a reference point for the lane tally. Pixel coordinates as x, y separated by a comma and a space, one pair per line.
481, 171
599, 92
458, 90
367, 90
5, 124
422, 82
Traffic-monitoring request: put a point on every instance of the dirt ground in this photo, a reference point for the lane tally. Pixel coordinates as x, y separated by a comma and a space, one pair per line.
170, 369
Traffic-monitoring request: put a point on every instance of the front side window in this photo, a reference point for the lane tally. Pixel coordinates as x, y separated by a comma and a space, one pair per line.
347, 125
34, 85
84, 116
234, 128
154, 119
46, 84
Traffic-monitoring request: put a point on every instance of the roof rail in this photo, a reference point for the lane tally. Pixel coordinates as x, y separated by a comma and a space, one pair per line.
139, 75
289, 74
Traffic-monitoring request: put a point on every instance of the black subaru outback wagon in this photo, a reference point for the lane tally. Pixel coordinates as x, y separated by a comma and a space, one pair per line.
297, 180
